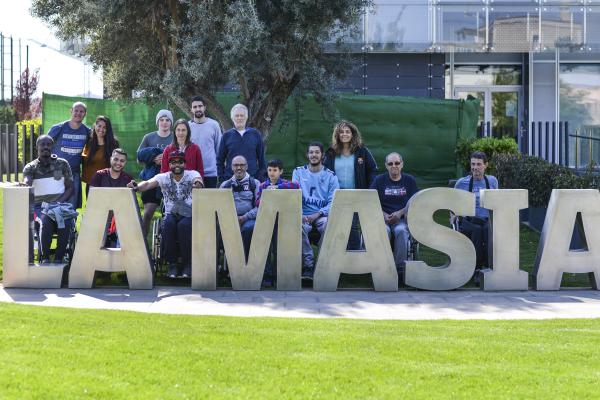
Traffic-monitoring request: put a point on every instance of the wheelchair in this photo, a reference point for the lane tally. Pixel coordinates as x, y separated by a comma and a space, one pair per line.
157, 247
36, 250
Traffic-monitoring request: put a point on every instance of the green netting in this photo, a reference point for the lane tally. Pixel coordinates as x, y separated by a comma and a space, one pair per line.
424, 131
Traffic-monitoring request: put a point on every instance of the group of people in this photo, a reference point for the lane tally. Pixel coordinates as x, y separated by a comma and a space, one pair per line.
184, 155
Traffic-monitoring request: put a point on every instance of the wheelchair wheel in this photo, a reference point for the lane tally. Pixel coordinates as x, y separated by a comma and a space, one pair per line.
156, 246
412, 248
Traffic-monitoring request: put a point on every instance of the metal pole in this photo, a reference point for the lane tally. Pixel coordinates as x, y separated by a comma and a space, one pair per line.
16, 153
577, 151
567, 143
27, 56
12, 73
553, 154
24, 145
539, 154
532, 135
2, 67
560, 143
591, 147
32, 133
547, 155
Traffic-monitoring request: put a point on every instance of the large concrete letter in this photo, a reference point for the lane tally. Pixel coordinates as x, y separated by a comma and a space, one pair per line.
286, 204
504, 223
553, 255
377, 259
426, 231
91, 256
16, 271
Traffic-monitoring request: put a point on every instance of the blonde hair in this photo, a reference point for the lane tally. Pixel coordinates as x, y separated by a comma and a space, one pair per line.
355, 142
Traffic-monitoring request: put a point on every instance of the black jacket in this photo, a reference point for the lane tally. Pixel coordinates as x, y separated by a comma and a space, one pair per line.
365, 167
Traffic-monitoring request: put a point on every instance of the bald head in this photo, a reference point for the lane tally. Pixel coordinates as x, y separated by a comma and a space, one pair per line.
239, 166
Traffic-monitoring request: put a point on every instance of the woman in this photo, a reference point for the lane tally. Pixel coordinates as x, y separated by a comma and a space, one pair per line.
182, 142
98, 149
352, 163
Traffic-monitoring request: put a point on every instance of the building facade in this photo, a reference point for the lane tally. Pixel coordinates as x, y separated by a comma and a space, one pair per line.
529, 62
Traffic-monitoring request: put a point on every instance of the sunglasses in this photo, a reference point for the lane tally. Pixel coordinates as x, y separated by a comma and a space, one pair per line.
394, 163
177, 162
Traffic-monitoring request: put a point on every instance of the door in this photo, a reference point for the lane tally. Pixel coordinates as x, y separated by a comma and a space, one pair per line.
500, 109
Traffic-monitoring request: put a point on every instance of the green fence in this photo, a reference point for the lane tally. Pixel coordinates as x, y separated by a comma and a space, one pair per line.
424, 131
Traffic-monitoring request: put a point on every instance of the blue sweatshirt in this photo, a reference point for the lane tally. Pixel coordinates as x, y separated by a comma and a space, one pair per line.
317, 189
69, 143
250, 145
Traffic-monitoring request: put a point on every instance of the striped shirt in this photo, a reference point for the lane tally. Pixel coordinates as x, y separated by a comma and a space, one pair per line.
48, 180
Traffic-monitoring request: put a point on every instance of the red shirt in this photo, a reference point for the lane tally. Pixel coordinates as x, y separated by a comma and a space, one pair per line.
102, 178
193, 158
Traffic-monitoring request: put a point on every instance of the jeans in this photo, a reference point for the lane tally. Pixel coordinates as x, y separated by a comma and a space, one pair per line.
47, 228
247, 229
177, 228
75, 198
399, 234
308, 256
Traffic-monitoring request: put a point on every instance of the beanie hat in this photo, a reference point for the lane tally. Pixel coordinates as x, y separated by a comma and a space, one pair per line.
164, 113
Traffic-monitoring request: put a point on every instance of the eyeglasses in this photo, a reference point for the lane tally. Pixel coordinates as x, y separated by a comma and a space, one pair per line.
394, 163
238, 165
176, 162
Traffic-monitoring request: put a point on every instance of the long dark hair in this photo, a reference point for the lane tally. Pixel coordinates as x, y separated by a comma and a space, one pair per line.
188, 138
110, 141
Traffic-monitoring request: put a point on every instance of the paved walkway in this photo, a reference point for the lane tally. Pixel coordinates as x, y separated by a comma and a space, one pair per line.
405, 304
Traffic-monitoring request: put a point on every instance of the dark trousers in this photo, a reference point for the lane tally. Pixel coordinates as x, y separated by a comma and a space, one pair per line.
48, 227
477, 231
177, 229
210, 182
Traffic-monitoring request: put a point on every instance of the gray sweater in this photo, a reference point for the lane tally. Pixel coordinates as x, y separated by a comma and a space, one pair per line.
243, 197
207, 136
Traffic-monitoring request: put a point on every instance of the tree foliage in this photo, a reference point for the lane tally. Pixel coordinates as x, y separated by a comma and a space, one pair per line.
268, 49
25, 105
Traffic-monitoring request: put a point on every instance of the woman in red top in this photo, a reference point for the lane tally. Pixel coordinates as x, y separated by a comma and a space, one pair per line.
182, 142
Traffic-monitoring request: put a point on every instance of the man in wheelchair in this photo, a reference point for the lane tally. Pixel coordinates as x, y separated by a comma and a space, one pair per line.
395, 189
176, 186
476, 228
52, 183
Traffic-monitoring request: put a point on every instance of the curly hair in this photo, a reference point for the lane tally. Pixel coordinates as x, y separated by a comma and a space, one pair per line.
355, 142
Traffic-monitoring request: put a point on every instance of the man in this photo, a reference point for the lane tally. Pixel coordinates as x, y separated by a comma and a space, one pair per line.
70, 138
476, 228
395, 190
245, 192
318, 185
113, 176
176, 187
52, 182
274, 182
206, 133
150, 153
241, 141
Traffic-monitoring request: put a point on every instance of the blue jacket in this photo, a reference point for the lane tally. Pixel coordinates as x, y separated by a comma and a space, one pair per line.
250, 145
147, 155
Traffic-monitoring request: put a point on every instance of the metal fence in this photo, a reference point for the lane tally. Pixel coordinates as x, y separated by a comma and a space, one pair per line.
17, 148
550, 141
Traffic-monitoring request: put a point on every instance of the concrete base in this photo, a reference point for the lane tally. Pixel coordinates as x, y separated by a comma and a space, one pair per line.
404, 305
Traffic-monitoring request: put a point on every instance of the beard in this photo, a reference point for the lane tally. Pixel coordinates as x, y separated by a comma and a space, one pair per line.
199, 114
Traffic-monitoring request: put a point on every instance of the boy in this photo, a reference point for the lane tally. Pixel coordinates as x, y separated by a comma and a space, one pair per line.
274, 171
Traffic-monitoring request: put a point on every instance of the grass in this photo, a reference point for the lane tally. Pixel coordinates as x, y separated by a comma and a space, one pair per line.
70, 353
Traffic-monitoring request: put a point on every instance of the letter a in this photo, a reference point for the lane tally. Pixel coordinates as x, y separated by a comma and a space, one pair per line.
553, 256
90, 253
377, 259
17, 271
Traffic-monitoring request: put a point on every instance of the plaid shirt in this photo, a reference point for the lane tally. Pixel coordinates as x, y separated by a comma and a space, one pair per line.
281, 184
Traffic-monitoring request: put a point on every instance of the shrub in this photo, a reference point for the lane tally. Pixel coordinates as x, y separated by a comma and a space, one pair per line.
7, 115
27, 127
539, 177
489, 145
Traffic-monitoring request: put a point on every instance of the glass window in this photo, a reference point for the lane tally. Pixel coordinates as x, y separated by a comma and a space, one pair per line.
462, 25
513, 28
562, 26
399, 26
580, 106
593, 28
487, 75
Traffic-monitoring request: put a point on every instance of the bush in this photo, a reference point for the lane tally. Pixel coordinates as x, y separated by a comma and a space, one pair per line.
7, 115
27, 127
539, 177
489, 145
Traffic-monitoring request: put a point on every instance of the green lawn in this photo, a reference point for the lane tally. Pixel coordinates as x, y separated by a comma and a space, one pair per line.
70, 353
